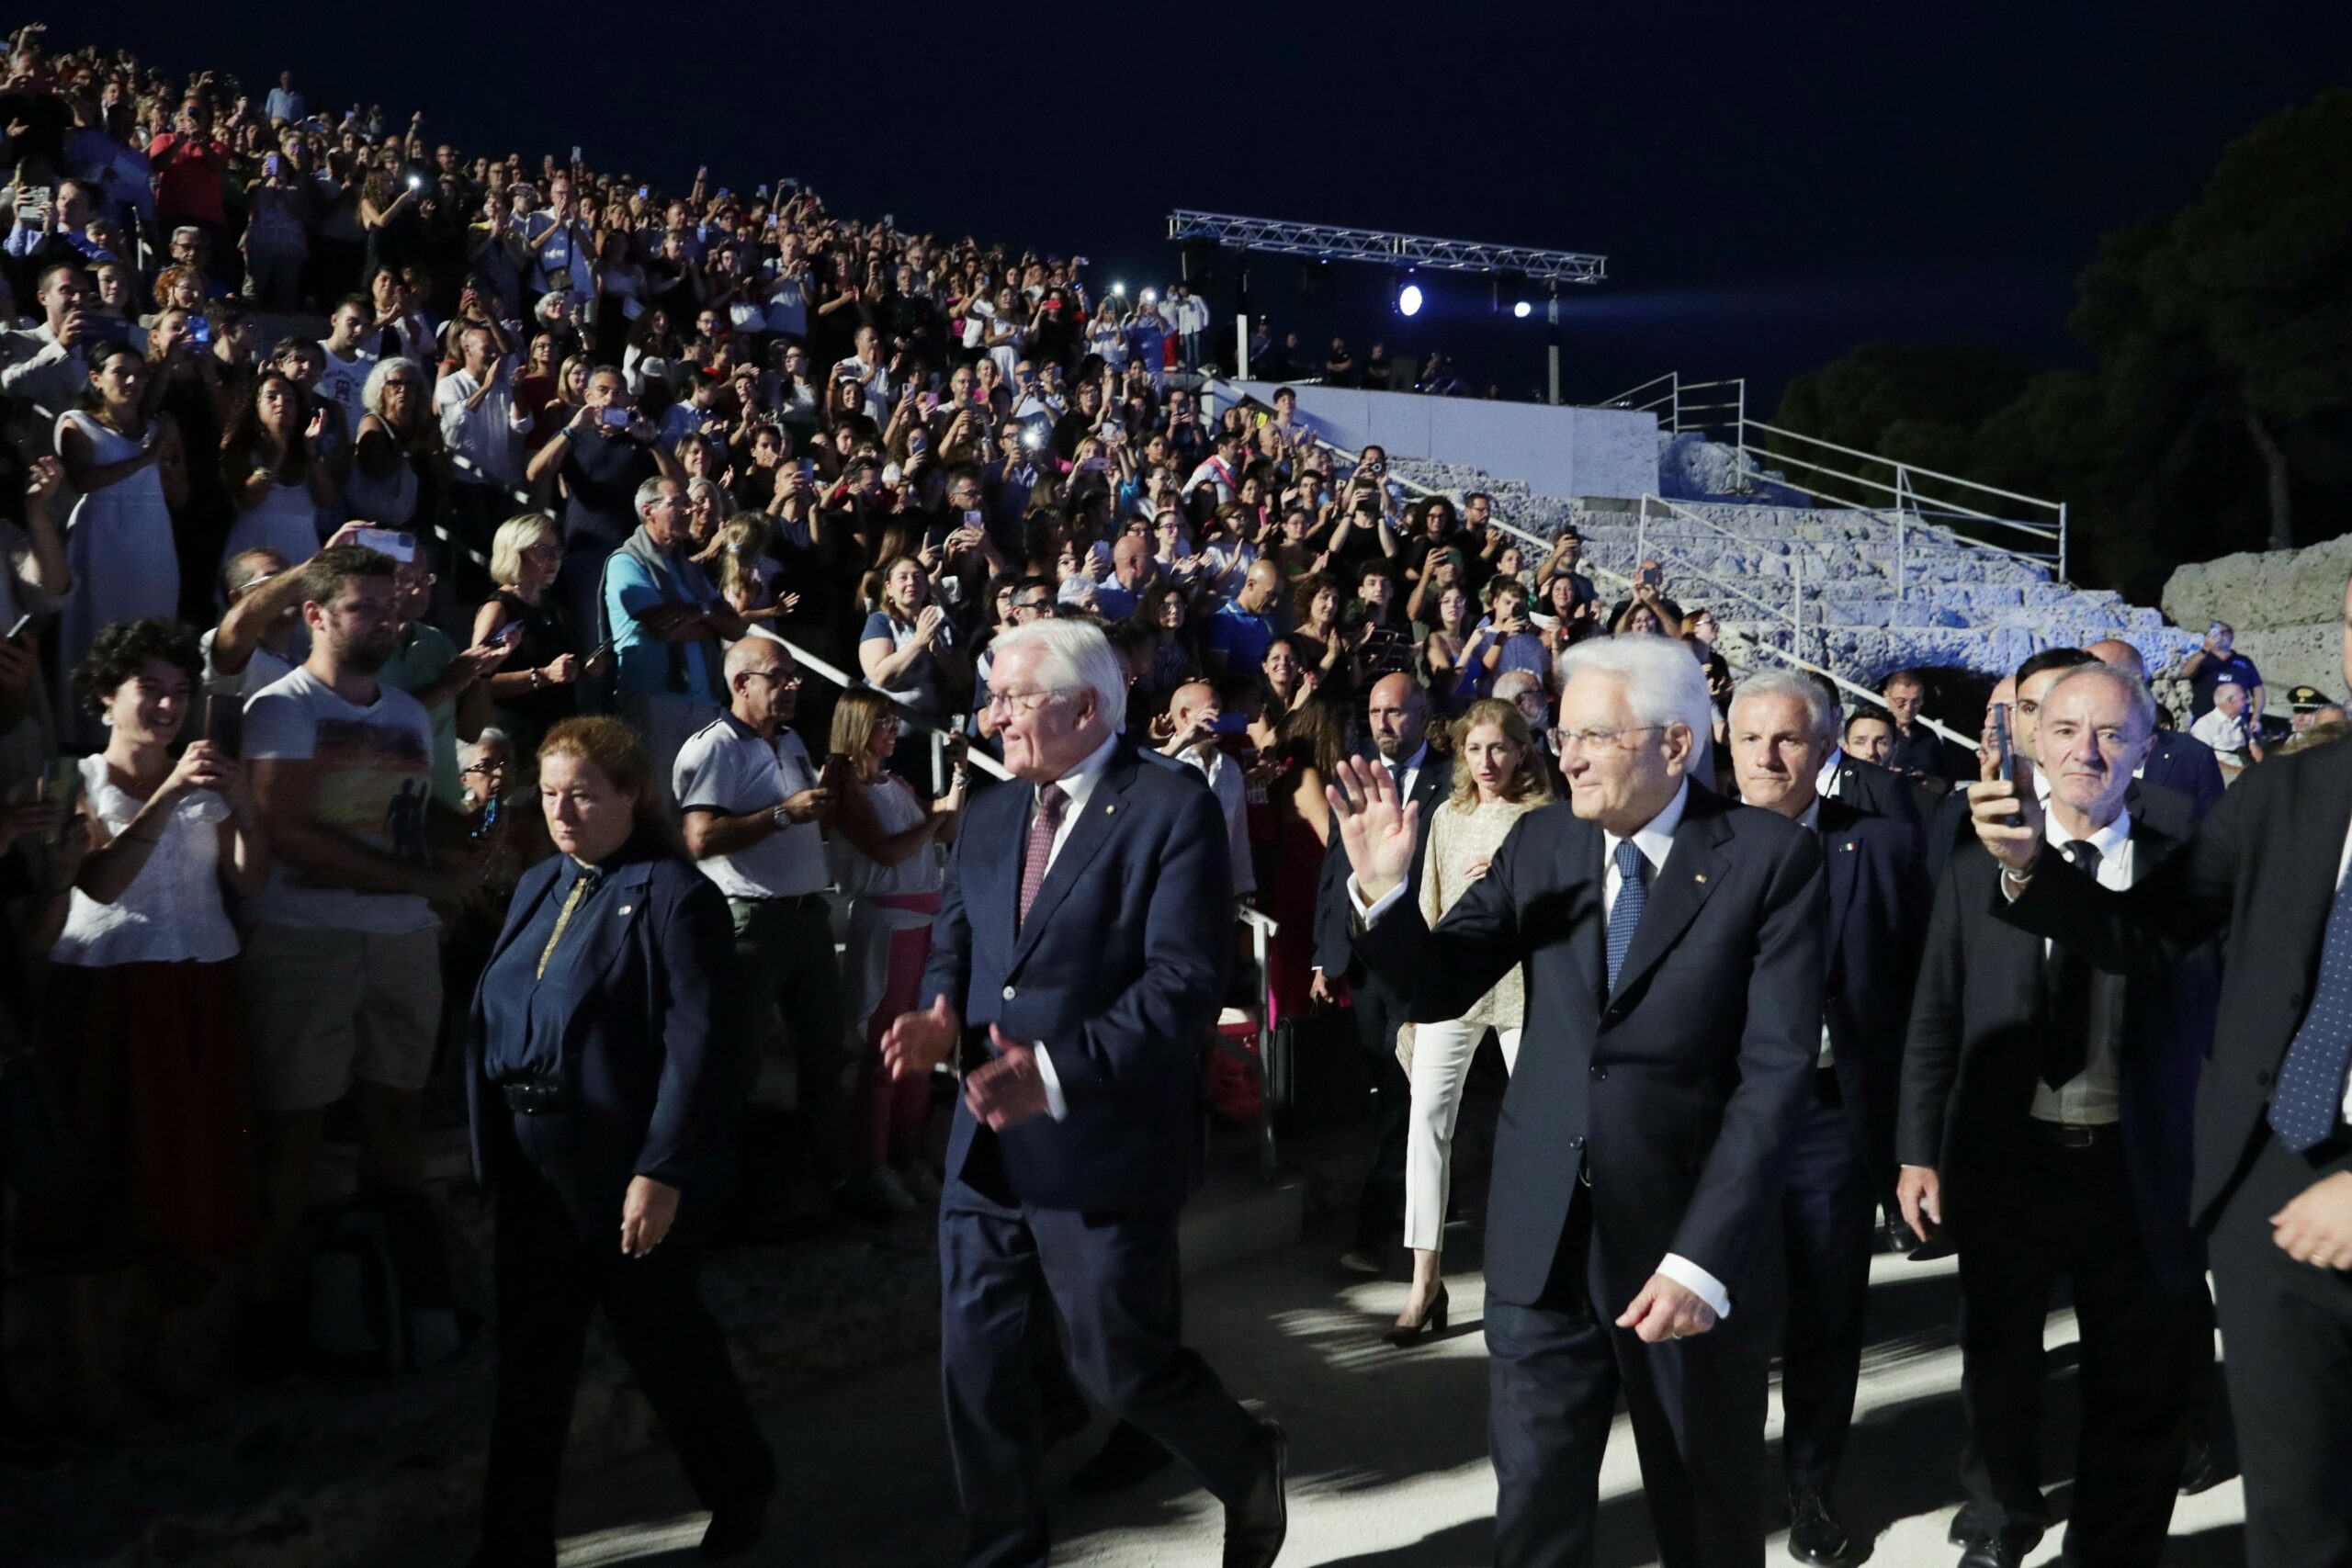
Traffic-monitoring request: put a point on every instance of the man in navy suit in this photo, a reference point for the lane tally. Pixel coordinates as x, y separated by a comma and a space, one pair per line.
1399, 717
2046, 1121
1672, 941
1842, 1163
1079, 961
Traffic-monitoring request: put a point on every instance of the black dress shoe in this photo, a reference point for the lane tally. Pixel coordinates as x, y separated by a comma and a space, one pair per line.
734, 1528
1896, 1237
1127, 1457
1255, 1527
1814, 1534
1063, 1422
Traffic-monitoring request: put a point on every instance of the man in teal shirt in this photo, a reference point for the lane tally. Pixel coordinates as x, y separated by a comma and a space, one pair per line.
666, 622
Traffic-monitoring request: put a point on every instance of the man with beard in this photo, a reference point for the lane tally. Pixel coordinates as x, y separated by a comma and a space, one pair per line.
341, 967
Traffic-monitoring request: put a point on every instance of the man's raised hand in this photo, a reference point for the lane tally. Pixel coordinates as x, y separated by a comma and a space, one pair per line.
1377, 828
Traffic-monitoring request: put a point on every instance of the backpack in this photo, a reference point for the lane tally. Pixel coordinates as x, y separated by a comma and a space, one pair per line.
377, 1291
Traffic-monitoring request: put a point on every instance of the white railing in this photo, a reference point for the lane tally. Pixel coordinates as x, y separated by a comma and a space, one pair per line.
1906, 492
1859, 691
1687, 405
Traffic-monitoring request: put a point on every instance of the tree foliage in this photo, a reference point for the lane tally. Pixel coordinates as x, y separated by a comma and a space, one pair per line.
2217, 412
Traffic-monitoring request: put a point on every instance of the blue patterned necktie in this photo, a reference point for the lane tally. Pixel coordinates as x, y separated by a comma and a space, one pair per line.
1632, 897
2308, 1100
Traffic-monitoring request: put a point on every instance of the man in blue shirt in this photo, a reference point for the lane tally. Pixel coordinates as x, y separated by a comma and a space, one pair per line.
1239, 634
2219, 663
1131, 574
664, 620
284, 104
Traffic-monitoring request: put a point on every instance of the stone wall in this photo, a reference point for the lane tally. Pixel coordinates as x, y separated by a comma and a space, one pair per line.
2287, 607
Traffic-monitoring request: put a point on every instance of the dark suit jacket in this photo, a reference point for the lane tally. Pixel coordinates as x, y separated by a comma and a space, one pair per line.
1334, 922
653, 1084
1119, 972
1879, 898
1681, 1089
1978, 1023
1882, 792
2178, 760
2260, 873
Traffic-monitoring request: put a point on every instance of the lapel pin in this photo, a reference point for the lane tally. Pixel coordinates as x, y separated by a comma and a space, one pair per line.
1849, 846
1702, 875
1109, 809
627, 908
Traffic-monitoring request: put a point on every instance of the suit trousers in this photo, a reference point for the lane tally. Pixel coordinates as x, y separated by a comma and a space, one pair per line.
784, 956
1114, 1281
1830, 1216
1380, 1212
1442, 1053
1555, 1371
549, 1280
2074, 1215
2286, 1351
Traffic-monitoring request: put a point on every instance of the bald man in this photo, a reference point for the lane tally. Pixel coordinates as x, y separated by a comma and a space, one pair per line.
1238, 634
1131, 571
752, 807
1193, 713
1399, 716
2177, 759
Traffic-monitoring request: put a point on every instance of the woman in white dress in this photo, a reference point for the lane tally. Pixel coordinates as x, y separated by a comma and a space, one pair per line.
1497, 780
273, 466
883, 858
129, 472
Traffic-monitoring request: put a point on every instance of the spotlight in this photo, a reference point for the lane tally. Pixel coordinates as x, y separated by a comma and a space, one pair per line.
1408, 300
1120, 289
1511, 292
1522, 310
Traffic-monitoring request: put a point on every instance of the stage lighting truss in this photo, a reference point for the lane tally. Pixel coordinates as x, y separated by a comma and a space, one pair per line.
1385, 248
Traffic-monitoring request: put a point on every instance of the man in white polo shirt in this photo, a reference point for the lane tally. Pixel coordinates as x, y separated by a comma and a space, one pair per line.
752, 805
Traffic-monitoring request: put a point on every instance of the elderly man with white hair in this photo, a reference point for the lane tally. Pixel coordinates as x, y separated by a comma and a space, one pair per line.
1842, 1164
1078, 964
1673, 949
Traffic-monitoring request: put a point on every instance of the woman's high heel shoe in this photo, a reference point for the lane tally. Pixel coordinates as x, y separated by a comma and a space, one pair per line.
1433, 1322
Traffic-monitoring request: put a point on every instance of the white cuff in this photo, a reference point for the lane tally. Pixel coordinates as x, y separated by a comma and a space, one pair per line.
1371, 915
1689, 1276
1056, 1106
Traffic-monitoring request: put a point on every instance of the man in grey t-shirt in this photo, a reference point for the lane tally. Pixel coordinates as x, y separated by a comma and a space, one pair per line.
342, 965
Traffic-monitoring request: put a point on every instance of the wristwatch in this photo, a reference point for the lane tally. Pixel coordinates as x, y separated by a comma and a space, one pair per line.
781, 817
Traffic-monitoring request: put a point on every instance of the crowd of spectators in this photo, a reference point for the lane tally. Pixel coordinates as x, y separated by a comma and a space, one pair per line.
345, 463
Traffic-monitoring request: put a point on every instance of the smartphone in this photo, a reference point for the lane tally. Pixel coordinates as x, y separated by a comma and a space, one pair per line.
224, 722
511, 632
617, 418
385, 541
600, 650
27, 618
575, 151
2002, 748
29, 201
60, 782
417, 181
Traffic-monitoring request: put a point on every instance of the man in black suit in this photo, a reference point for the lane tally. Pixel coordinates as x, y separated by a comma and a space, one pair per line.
1842, 1163
1920, 750
2045, 1120
2177, 759
2273, 1154
1672, 941
1859, 781
1078, 963
1399, 717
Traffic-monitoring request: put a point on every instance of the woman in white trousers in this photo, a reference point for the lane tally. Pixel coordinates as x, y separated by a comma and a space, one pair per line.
1497, 780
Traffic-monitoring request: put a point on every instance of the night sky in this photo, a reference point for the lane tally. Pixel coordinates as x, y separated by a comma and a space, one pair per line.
1771, 184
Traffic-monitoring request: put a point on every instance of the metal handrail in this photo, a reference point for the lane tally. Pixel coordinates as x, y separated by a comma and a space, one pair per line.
1843, 684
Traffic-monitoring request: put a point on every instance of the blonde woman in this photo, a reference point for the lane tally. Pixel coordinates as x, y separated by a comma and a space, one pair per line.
535, 689
1498, 780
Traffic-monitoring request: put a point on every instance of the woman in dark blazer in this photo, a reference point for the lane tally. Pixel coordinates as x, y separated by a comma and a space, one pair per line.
597, 1087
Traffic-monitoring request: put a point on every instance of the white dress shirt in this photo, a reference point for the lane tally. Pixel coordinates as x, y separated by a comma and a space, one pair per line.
2093, 1097
1655, 839
1077, 785
1825, 781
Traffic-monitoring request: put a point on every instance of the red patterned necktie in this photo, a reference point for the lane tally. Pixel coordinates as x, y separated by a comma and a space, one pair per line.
1043, 824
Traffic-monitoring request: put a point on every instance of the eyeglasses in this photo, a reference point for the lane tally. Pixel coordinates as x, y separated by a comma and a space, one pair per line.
1594, 739
790, 683
1022, 702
